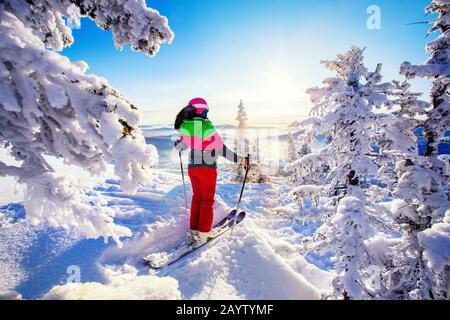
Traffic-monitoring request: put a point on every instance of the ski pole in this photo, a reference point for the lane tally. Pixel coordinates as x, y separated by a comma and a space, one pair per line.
184, 183
247, 169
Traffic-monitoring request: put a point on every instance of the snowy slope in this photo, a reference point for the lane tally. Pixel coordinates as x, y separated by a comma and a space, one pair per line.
260, 260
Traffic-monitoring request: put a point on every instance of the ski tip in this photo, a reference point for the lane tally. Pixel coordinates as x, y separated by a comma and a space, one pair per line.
232, 214
154, 267
241, 215
149, 264
227, 222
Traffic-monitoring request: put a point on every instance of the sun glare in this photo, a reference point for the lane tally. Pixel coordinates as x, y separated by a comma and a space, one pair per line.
276, 87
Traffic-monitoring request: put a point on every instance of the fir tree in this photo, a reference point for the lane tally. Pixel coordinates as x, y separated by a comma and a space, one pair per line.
422, 206
343, 109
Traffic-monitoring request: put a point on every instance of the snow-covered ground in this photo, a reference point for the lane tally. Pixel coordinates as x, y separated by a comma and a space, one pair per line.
261, 259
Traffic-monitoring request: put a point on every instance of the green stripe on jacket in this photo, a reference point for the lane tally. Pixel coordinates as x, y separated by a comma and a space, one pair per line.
201, 128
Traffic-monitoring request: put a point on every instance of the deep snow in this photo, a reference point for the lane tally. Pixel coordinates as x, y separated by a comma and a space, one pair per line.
261, 260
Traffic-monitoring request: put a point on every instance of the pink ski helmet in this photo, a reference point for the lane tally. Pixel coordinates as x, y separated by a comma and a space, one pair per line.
200, 105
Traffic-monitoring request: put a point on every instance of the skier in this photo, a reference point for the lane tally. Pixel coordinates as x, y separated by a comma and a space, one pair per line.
199, 134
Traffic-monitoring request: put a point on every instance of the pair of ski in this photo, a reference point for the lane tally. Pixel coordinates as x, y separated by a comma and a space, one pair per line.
163, 259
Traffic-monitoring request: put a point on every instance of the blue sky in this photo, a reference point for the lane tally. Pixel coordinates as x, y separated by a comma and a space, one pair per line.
266, 52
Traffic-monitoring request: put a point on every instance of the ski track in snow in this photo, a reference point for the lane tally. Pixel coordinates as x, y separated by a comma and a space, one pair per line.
259, 260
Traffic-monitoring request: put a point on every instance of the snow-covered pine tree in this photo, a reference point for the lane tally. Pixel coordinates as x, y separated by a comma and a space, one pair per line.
291, 152
255, 175
243, 147
50, 107
241, 142
422, 206
395, 139
404, 273
295, 149
437, 68
419, 204
343, 110
241, 117
256, 150
290, 156
259, 173
304, 147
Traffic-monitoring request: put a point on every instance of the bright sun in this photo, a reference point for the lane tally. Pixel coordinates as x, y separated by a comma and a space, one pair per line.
277, 85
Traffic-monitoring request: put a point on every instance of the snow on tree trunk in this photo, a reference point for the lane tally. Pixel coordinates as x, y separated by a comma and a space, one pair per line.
435, 243
50, 107
415, 209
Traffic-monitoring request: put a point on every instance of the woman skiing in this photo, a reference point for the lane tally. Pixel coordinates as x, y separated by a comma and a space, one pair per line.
199, 134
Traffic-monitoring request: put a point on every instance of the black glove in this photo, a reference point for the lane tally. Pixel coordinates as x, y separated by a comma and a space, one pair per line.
179, 145
246, 162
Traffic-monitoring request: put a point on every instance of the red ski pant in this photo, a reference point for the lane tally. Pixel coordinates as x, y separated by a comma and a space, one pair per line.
203, 180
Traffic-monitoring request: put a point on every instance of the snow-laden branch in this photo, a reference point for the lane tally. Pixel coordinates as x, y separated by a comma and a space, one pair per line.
436, 68
130, 21
50, 107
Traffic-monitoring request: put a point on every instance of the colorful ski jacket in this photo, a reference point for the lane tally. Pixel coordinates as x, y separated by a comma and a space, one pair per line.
205, 143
